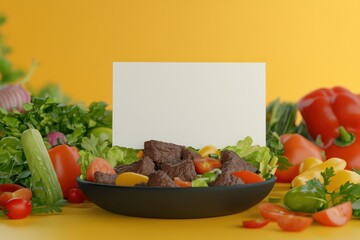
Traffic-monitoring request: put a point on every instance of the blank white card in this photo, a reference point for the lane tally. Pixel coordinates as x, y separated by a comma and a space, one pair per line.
191, 104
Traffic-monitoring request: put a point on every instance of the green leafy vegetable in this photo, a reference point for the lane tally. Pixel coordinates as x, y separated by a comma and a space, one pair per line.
259, 156
93, 147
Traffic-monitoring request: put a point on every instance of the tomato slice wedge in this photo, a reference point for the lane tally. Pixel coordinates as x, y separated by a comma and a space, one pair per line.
292, 223
248, 176
182, 183
335, 216
255, 223
273, 211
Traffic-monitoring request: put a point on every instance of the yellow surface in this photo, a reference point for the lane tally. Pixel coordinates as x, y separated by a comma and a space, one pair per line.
305, 43
86, 221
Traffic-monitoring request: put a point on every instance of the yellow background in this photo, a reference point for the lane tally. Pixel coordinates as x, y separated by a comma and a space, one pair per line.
306, 44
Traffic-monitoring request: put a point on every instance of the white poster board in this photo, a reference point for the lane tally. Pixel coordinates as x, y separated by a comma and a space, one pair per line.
191, 104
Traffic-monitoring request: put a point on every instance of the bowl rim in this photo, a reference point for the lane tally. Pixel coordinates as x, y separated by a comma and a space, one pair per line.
211, 188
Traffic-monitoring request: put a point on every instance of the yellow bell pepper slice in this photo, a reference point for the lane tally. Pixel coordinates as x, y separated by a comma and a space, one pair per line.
130, 179
209, 149
309, 163
315, 172
341, 177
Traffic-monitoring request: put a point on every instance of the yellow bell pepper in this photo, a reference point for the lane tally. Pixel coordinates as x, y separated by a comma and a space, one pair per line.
341, 177
130, 179
309, 163
315, 172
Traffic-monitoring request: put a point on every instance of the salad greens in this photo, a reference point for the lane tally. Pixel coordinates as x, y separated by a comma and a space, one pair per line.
93, 147
259, 156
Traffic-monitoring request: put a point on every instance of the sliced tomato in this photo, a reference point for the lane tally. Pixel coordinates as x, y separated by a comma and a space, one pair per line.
203, 165
294, 223
255, 223
273, 211
182, 183
22, 193
98, 165
335, 216
248, 176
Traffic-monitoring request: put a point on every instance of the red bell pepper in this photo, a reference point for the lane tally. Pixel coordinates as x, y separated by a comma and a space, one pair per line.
334, 115
296, 149
64, 160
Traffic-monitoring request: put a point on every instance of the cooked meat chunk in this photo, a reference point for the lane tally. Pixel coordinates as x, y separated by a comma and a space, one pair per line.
231, 162
160, 179
184, 170
161, 152
105, 178
227, 179
187, 154
144, 166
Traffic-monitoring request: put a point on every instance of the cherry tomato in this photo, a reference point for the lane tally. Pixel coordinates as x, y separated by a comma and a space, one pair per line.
294, 223
18, 208
273, 211
257, 223
335, 216
64, 160
203, 165
98, 165
182, 183
248, 176
75, 195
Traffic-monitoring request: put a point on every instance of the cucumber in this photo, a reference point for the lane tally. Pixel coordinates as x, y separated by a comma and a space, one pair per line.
44, 182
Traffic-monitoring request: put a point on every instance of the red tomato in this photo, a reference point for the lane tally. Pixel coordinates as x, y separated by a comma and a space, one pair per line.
182, 183
273, 211
257, 223
203, 165
22, 193
296, 148
75, 195
98, 165
335, 216
248, 176
294, 223
64, 160
18, 208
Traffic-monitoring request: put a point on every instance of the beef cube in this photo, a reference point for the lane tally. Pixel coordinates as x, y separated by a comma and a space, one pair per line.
231, 162
144, 166
161, 152
187, 154
184, 170
160, 179
227, 179
105, 178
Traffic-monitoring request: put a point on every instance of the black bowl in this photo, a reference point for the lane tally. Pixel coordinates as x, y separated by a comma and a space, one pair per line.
158, 202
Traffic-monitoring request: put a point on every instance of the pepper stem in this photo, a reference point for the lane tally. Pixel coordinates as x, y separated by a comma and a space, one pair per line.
345, 138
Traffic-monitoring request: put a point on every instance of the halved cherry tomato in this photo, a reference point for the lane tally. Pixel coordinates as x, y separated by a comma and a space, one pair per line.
273, 211
18, 208
98, 165
248, 176
335, 216
256, 223
203, 165
294, 223
182, 183
209, 150
20, 192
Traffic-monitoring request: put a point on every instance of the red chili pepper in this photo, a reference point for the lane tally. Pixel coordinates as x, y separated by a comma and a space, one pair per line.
334, 115
296, 148
64, 160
